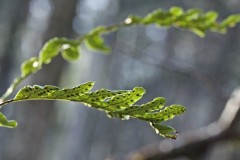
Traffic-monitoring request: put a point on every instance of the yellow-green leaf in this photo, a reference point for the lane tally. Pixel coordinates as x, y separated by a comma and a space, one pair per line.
71, 53
4, 122
165, 131
30, 66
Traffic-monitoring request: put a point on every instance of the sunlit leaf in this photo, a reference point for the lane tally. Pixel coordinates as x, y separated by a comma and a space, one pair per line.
231, 21
165, 131
176, 11
53, 47
166, 114
117, 104
194, 20
211, 16
50, 50
4, 122
29, 66
71, 53
96, 43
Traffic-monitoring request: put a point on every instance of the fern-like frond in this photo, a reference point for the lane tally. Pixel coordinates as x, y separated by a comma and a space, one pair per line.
117, 104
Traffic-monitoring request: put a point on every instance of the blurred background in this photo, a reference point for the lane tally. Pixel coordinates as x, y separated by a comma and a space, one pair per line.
176, 64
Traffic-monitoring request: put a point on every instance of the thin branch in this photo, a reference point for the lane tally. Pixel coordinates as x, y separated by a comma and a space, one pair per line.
196, 143
11, 88
2, 103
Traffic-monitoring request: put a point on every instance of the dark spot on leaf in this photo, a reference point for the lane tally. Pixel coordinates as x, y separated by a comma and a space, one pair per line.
138, 95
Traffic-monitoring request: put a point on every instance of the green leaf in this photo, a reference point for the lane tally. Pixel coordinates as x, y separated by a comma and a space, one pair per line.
192, 14
176, 11
211, 16
231, 21
165, 131
198, 32
194, 20
54, 46
138, 110
71, 53
4, 122
49, 92
166, 114
96, 43
50, 50
117, 104
30, 66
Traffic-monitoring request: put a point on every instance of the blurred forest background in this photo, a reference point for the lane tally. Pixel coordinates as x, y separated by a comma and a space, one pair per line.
176, 64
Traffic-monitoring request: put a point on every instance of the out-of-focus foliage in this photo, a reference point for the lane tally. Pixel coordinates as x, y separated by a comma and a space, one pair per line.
194, 20
58, 45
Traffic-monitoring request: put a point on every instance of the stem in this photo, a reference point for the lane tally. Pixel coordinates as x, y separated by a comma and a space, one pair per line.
6, 102
111, 28
12, 87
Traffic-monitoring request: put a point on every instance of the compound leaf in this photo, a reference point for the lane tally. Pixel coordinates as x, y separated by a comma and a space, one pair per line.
194, 20
117, 104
